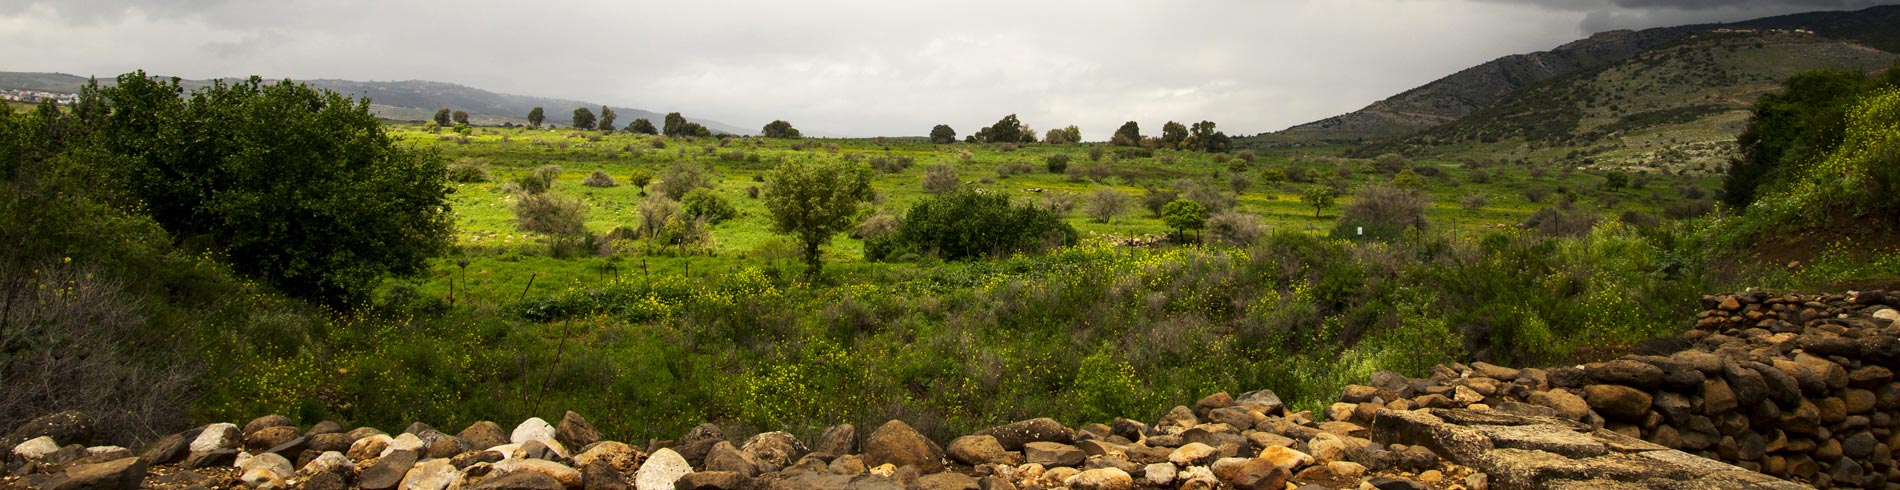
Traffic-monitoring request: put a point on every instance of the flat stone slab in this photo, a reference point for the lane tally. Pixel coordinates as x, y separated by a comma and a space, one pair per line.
1547, 438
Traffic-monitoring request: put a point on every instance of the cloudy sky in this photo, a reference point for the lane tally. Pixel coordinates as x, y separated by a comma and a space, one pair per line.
856, 68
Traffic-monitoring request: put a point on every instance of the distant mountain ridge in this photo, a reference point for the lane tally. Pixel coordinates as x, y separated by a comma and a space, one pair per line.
1467, 91
405, 100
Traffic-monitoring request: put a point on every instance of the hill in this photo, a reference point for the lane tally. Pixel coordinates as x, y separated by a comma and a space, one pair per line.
409, 100
1467, 91
1677, 107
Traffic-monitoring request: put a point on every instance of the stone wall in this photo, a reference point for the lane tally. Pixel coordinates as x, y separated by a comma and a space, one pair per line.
1799, 387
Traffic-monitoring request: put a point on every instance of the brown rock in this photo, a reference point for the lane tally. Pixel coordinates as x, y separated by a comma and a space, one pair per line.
483, 435
266, 422
388, 471
1260, 474
837, 440
574, 432
599, 475
1211, 402
521, 480
773, 450
120, 474
1618, 401
1051, 454
977, 449
948, 480
1013, 436
1626, 372
899, 445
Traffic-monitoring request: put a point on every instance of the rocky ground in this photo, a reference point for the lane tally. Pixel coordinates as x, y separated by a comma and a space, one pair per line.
1767, 392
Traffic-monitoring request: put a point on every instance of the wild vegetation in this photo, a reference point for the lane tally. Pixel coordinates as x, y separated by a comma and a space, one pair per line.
656, 278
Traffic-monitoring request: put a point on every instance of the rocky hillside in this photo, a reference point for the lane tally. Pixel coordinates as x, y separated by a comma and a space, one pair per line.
409, 100
1766, 391
1468, 91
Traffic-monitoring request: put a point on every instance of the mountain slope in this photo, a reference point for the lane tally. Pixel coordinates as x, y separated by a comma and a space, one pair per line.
1460, 94
404, 100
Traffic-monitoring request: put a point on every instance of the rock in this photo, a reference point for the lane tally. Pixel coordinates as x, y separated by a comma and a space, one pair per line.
660, 470
1178, 420
527, 480
568, 477
1567, 405
977, 449
405, 442
1618, 401
897, 444
369, 447
169, 449
1101, 479
275, 465
325, 481
1626, 372
1013, 436
1211, 402
1193, 454
575, 432
324, 427
217, 437
36, 449
1327, 447
270, 437
1263, 401
598, 474
1240, 418
1388, 483
1347, 469
1260, 474
773, 450
1284, 457
1158, 474
70, 427
209, 459
118, 474
533, 429
483, 435
1749, 386
1135, 430
620, 456
472, 458
1053, 454
837, 440
1859, 446
713, 480
444, 447
948, 480
388, 471
1358, 394
849, 465
333, 441
694, 445
724, 457
434, 474
328, 462
267, 421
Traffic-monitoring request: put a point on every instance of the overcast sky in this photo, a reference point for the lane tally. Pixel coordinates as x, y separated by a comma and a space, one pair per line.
857, 68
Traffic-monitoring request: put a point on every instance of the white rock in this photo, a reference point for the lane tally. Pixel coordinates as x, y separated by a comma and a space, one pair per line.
533, 429
36, 448
404, 442
1328, 447
567, 476
1110, 478
434, 474
216, 437
102, 449
507, 450
1888, 314
1159, 474
620, 456
271, 462
328, 461
1198, 473
366, 447
660, 471
1347, 469
262, 479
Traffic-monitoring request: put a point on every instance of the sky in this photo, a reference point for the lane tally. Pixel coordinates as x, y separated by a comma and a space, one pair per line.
857, 68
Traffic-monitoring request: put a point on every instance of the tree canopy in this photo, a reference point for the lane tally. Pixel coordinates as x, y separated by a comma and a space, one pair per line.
943, 135
1127, 135
606, 119
535, 117
814, 201
780, 129
642, 126
583, 118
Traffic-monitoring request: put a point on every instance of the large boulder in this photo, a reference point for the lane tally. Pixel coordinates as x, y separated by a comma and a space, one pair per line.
600, 475
568, 477
266, 422
434, 474
1101, 479
977, 449
694, 445
216, 437
837, 440
575, 432
388, 471
897, 444
483, 435
533, 429
619, 456
724, 457
773, 450
68, 427
118, 474
661, 470
1618, 401
525, 480
1052, 454
1014, 436
1626, 372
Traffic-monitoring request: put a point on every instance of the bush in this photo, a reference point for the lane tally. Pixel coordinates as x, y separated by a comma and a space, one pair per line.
1184, 216
1095, 153
1157, 198
1060, 203
1688, 209
891, 164
550, 214
1056, 163
1563, 221
680, 178
1536, 194
705, 204
1296, 173
468, 171
1390, 163
968, 225
1474, 201
598, 179
876, 226
1006, 170
1234, 228
1245, 156
1104, 205
1384, 212
940, 178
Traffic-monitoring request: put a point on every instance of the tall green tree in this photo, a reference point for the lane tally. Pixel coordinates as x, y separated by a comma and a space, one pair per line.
606, 119
814, 201
298, 187
780, 129
1203, 137
1184, 216
943, 135
460, 117
1127, 135
444, 117
675, 125
642, 126
535, 116
1173, 134
583, 118
1006, 130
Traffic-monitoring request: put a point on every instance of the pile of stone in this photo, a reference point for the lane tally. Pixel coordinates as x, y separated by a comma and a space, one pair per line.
1250, 442
1799, 387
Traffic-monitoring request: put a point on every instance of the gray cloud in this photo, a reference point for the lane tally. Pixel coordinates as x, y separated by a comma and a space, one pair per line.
852, 67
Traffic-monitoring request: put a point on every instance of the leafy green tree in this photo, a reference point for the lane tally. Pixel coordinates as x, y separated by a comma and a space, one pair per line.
1184, 216
969, 224
780, 129
461, 118
704, 203
1072, 134
298, 187
583, 118
642, 126
1173, 134
675, 125
444, 117
1203, 137
814, 201
1615, 180
1006, 130
680, 178
535, 117
1127, 135
943, 135
1319, 197
606, 119
640, 179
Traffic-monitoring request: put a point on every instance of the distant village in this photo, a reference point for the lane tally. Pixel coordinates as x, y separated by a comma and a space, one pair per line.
35, 96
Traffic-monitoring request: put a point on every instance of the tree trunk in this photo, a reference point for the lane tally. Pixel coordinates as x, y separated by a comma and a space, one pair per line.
813, 261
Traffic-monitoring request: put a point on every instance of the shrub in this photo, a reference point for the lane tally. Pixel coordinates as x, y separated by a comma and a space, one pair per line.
598, 179
468, 171
891, 164
1384, 212
639, 179
654, 213
1562, 221
968, 224
940, 178
1536, 194
1273, 175
1474, 201
550, 214
1096, 172
705, 204
876, 226
1105, 204
1234, 228
1688, 209
1245, 156
966, 157
1205, 193
1239, 182
1639, 220
1183, 216
1157, 198
1059, 203
1056, 162
1095, 153
1296, 173
1390, 163
680, 178
1006, 170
